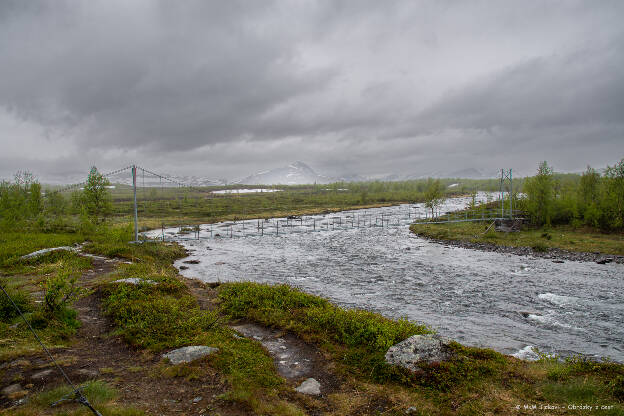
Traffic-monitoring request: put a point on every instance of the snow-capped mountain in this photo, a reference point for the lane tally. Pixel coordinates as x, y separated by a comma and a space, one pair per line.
297, 173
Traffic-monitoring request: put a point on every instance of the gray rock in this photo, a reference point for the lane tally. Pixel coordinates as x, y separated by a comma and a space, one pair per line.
196, 399
188, 354
86, 373
412, 410
42, 375
135, 281
310, 386
419, 349
13, 388
46, 251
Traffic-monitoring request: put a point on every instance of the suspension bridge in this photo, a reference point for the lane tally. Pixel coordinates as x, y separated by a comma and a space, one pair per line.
486, 207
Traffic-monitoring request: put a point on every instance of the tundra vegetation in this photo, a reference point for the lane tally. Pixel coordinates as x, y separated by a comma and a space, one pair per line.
582, 213
168, 313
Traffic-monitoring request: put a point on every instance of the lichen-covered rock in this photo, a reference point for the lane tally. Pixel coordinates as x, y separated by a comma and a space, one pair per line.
46, 251
310, 386
43, 375
135, 281
188, 354
419, 349
14, 392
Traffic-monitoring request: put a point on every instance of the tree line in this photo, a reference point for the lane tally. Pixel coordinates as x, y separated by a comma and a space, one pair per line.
593, 199
24, 205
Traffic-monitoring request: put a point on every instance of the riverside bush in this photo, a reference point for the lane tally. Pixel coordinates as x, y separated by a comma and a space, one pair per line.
155, 316
7, 310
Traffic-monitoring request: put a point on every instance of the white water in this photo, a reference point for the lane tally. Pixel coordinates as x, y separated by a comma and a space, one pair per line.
502, 301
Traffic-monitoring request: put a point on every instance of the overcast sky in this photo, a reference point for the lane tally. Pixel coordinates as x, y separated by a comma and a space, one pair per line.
226, 88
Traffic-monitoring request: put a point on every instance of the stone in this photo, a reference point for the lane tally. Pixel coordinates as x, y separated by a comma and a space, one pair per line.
17, 395
197, 399
13, 388
86, 373
310, 386
193, 261
135, 281
419, 349
188, 354
42, 375
412, 410
46, 251
19, 363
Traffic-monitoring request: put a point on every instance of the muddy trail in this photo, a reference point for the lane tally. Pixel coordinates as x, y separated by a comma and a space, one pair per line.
140, 376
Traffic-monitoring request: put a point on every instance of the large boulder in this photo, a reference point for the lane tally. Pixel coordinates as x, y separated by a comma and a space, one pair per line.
188, 354
419, 349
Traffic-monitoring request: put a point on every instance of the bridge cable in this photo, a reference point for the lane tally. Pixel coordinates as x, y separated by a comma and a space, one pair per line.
79, 397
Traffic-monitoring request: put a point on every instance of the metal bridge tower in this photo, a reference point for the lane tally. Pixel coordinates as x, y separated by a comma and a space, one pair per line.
136, 220
506, 187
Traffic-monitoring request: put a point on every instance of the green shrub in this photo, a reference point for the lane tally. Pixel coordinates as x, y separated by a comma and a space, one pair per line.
156, 316
616, 387
359, 339
7, 310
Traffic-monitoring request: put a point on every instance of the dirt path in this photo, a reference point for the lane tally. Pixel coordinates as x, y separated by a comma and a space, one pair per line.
137, 375
140, 376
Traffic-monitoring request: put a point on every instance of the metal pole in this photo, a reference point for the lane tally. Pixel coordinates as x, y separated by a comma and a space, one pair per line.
510, 195
136, 217
502, 195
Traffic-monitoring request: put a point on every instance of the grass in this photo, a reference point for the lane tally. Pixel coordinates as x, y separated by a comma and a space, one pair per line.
165, 316
540, 239
357, 338
16, 244
26, 281
100, 394
475, 381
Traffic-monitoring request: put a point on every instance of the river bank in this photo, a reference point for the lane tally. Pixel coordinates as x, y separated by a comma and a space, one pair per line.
556, 243
243, 377
555, 254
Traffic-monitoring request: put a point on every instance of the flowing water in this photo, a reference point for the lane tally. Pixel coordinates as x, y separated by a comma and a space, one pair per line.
479, 298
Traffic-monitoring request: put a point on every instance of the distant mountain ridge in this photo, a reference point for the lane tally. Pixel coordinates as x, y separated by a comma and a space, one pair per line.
297, 173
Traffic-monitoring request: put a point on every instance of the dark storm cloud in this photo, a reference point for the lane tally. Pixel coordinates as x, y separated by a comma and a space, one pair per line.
576, 89
224, 88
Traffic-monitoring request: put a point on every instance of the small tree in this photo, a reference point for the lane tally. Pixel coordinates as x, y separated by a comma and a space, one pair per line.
96, 197
540, 194
55, 204
614, 193
434, 195
588, 187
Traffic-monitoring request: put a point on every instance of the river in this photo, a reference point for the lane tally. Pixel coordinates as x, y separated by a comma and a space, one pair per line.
503, 301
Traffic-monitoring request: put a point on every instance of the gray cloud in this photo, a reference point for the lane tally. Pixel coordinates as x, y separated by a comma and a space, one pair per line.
225, 88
